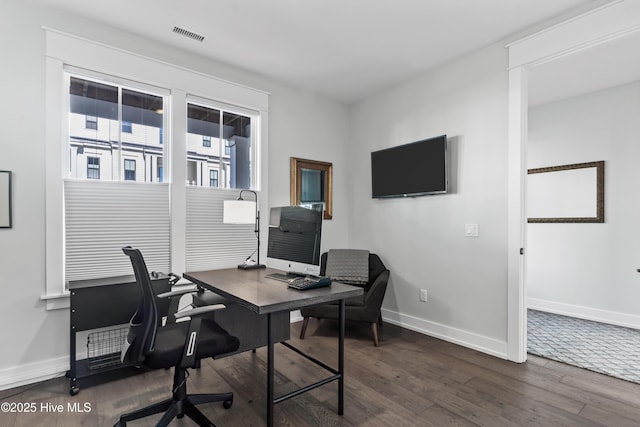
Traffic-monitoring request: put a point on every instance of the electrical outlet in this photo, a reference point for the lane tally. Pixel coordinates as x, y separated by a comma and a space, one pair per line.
423, 295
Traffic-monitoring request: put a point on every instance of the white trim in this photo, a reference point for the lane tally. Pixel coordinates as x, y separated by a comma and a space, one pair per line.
614, 20
588, 313
93, 55
477, 342
30, 373
54, 171
516, 230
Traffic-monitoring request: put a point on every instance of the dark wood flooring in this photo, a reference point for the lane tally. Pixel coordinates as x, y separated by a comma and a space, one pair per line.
409, 380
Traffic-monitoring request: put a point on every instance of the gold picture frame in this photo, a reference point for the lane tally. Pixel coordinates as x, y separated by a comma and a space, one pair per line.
297, 174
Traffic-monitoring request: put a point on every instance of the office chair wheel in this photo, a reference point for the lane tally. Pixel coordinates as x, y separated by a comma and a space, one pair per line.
120, 424
74, 390
227, 404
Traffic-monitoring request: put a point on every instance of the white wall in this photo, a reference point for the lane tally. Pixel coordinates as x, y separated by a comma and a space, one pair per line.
589, 270
422, 240
300, 124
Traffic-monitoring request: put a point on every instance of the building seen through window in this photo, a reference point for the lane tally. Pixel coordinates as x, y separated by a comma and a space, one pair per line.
218, 147
115, 133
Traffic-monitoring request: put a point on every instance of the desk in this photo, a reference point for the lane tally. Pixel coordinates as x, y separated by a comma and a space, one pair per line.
265, 296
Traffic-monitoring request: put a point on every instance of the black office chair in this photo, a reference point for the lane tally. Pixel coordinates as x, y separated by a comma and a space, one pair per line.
180, 345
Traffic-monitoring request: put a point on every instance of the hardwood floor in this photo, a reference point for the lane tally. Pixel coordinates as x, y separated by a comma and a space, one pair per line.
409, 380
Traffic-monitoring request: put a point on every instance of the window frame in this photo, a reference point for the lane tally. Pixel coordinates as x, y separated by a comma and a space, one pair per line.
93, 167
212, 179
64, 51
131, 171
255, 132
126, 126
90, 122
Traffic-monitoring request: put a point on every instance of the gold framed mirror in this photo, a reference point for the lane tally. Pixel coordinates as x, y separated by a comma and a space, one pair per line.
312, 183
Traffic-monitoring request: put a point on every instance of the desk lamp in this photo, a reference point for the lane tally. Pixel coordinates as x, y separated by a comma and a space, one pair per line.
242, 211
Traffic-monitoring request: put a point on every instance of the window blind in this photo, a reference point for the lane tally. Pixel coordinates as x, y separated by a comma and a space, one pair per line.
211, 244
101, 217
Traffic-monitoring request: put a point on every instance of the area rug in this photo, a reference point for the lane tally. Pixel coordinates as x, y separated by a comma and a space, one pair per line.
607, 349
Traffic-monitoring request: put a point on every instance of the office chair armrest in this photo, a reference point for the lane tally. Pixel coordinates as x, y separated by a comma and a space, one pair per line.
176, 292
198, 311
195, 314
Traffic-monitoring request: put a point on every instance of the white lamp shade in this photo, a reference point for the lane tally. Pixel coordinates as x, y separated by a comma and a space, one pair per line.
239, 212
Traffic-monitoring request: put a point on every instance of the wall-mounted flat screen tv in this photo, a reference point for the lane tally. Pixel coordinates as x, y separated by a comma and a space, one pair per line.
414, 169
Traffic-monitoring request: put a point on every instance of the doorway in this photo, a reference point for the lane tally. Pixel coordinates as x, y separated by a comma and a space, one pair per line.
536, 65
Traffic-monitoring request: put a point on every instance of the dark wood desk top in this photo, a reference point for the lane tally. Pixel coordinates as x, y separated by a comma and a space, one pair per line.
264, 295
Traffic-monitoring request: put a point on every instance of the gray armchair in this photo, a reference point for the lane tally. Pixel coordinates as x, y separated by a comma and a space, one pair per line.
364, 308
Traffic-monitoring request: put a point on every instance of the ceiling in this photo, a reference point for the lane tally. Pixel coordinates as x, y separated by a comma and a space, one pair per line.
342, 49
600, 67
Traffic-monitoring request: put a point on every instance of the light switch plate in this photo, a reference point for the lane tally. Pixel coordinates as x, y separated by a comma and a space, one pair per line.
471, 230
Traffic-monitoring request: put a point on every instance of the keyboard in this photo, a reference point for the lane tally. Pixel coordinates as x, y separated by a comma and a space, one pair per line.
282, 277
304, 283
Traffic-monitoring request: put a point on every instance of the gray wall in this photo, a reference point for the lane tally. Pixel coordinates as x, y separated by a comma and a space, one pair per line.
422, 240
300, 124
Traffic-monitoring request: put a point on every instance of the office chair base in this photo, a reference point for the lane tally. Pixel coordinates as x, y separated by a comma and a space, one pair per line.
178, 409
179, 405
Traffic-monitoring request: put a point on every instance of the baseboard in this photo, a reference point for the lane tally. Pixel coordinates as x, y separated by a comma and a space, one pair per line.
477, 342
33, 372
587, 313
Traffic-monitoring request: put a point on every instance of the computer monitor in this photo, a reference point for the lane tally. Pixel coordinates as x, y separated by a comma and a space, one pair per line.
294, 238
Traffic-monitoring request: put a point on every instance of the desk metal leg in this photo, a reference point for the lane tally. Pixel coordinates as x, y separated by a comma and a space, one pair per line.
270, 373
341, 360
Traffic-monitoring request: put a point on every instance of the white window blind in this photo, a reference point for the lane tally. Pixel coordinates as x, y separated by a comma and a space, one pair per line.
101, 217
211, 244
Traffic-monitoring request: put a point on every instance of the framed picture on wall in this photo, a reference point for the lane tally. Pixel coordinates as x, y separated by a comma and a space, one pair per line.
568, 193
5, 199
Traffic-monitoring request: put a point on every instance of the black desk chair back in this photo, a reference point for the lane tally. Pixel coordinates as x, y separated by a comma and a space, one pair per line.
180, 345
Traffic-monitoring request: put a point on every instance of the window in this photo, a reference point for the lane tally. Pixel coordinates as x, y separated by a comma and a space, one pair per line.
101, 217
119, 106
213, 178
91, 122
129, 170
93, 167
192, 172
228, 134
89, 220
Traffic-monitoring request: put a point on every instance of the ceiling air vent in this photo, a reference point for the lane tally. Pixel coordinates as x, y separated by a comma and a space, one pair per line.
187, 33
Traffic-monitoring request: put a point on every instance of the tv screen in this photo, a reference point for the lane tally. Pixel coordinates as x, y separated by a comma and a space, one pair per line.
414, 169
294, 234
